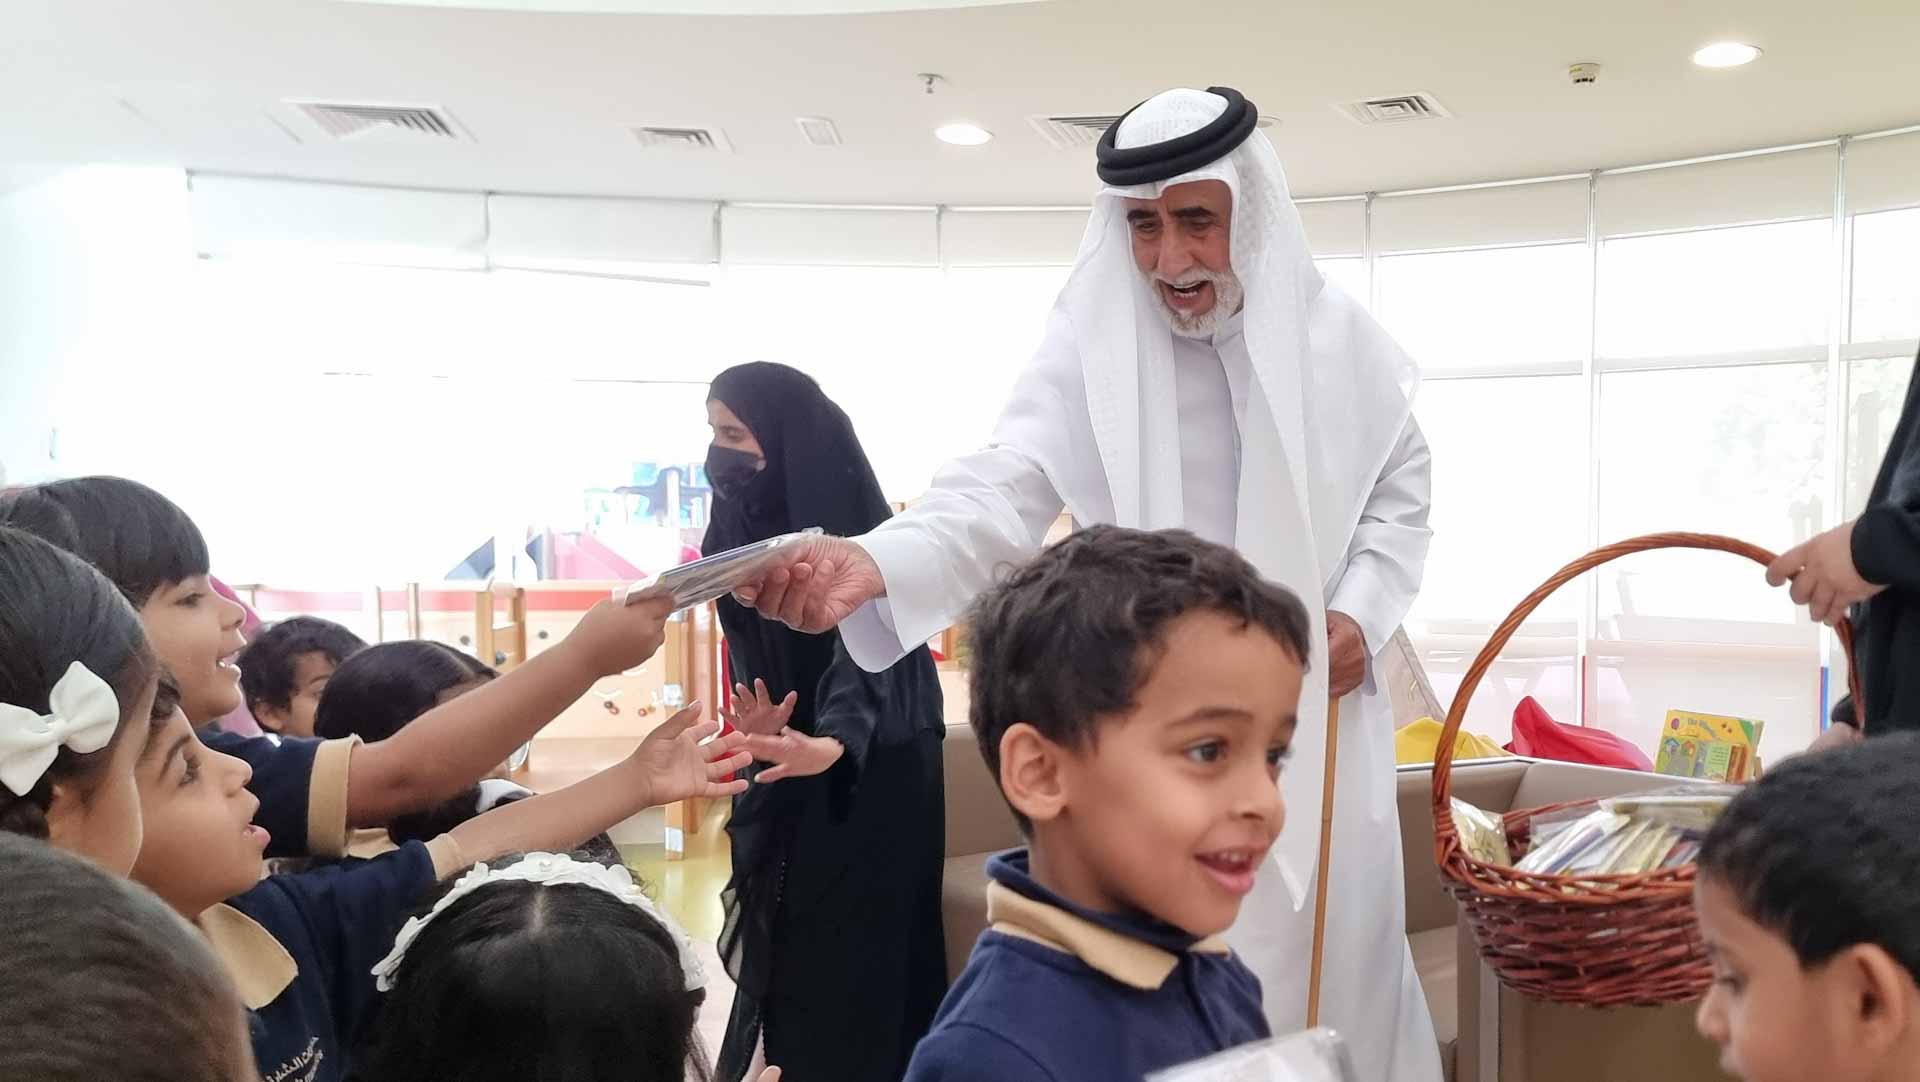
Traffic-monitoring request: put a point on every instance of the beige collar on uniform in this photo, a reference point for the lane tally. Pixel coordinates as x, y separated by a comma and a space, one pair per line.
369, 842
1128, 960
260, 967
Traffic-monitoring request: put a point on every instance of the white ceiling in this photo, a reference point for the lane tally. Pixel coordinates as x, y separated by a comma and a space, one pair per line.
548, 97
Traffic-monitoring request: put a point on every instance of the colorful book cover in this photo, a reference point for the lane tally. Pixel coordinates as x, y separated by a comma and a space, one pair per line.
1710, 746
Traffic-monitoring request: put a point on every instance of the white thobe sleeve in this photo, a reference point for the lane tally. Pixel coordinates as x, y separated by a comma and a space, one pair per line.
985, 511
1388, 554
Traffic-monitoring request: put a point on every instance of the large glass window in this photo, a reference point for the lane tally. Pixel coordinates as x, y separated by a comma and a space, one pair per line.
1493, 308
1757, 287
1886, 275
1507, 512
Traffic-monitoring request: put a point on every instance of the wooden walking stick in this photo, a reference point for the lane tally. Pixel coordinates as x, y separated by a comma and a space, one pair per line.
1326, 859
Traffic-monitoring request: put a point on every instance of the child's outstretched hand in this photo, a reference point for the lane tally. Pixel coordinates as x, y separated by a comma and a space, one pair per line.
677, 765
757, 715
771, 1074
612, 638
794, 754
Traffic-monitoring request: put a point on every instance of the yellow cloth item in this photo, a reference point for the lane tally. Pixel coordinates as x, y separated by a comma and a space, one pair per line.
1417, 742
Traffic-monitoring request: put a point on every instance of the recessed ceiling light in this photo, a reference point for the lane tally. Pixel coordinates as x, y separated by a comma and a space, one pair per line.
962, 134
1726, 54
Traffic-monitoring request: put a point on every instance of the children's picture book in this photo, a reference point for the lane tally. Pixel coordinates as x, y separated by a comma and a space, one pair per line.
1714, 747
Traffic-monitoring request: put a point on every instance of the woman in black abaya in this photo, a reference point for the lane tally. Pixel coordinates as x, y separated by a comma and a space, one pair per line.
833, 929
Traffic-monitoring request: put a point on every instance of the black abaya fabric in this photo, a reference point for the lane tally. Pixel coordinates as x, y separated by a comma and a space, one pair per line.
833, 929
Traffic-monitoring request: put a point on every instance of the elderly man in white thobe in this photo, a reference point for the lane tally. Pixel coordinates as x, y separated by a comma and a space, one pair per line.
1198, 372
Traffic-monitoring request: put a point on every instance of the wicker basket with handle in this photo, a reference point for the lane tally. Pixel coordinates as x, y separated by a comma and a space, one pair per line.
1599, 941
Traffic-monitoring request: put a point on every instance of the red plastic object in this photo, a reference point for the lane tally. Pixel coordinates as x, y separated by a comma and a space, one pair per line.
1536, 734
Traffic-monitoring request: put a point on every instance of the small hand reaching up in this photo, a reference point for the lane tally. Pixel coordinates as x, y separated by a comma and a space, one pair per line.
670, 764
755, 714
677, 765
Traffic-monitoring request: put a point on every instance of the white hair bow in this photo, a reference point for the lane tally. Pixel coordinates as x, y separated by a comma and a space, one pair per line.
85, 715
546, 869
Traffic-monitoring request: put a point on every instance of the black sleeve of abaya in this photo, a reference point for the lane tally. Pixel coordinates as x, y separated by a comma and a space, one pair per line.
850, 705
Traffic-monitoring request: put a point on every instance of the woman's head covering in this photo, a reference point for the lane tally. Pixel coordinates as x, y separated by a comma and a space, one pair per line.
817, 474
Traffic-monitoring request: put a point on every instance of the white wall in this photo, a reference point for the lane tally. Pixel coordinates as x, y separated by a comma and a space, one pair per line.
91, 265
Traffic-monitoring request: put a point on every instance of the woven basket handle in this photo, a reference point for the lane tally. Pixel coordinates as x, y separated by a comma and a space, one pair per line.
1457, 713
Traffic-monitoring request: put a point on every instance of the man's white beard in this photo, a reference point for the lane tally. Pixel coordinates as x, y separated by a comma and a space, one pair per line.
1227, 298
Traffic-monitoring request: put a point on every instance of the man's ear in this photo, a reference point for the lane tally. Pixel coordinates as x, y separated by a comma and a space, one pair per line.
1032, 773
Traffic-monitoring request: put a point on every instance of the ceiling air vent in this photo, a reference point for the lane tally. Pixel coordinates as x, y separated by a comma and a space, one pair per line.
1394, 109
349, 120
818, 131
1069, 132
671, 138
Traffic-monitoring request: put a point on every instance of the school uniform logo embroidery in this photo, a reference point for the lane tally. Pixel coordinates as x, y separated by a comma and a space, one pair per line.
302, 1068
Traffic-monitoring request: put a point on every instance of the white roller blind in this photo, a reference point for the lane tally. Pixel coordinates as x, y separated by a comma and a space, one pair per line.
537, 228
1883, 174
1011, 238
1764, 187
344, 222
1482, 217
1335, 229
829, 236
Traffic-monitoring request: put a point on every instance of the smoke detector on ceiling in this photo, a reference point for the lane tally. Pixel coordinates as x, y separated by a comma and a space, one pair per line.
358, 120
656, 137
1071, 131
1394, 109
818, 131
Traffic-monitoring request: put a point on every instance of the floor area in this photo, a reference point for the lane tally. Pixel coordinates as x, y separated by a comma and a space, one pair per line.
689, 889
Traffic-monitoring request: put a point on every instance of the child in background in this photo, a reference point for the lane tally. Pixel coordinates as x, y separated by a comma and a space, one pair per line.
309, 798
284, 667
378, 691
548, 967
1806, 899
100, 980
1134, 693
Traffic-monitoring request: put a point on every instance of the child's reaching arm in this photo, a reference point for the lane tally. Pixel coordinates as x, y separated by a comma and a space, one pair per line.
670, 764
453, 745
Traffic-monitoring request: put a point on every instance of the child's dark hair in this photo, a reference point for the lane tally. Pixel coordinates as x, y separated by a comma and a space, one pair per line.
1074, 633
267, 663
136, 537
100, 980
54, 611
520, 981
1823, 850
377, 691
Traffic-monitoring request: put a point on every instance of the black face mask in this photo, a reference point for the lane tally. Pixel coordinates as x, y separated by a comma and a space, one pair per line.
730, 471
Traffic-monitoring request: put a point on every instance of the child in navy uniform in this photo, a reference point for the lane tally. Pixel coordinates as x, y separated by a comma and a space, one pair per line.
302, 947
1806, 901
1134, 693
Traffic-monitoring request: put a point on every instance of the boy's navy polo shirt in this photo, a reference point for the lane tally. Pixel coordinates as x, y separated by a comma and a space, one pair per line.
302, 786
1061, 993
301, 949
